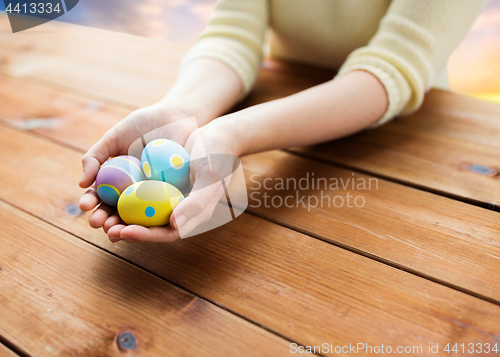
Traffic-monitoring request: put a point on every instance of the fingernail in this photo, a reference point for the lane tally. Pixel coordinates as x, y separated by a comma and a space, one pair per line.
179, 221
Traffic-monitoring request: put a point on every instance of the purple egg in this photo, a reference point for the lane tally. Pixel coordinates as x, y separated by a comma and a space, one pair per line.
115, 176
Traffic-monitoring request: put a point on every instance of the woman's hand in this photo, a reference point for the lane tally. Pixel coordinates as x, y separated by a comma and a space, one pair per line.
213, 155
205, 89
156, 121
331, 110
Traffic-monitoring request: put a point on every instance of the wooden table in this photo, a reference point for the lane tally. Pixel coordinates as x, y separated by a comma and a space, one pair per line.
417, 266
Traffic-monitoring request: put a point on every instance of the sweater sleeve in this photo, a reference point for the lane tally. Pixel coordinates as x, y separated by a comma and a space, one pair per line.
411, 46
235, 36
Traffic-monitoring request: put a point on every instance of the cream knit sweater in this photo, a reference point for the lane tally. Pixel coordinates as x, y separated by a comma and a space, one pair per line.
404, 43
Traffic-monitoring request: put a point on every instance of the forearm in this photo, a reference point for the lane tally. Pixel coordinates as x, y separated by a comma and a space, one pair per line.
325, 112
206, 89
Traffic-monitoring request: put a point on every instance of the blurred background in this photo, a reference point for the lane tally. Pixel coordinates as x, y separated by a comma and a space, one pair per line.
473, 69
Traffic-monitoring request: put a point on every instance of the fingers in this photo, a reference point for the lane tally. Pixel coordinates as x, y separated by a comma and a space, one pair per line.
112, 220
196, 221
199, 198
100, 215
104, 216
195, 204
140, 234
89, 200
114, 232
90, 168
105, 148
195, 209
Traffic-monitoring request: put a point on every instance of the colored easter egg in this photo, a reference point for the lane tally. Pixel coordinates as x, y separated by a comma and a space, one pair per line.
148, 203
115, 176
165, 160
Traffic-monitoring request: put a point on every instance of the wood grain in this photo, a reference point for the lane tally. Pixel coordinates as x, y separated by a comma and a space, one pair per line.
432, 149
291, 284
405, 142
131, 70
436, 237
6, 352
70, 119
63, 296
421, 158
277, 79
433, 236
457, 116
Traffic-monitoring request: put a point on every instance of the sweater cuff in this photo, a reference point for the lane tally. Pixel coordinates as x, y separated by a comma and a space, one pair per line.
230, 52
396, 86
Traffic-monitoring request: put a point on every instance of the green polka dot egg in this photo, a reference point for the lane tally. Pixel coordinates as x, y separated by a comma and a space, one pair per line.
148, 203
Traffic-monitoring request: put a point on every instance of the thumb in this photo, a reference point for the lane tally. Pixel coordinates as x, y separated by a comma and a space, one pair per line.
197, 204
96, 156
200, 197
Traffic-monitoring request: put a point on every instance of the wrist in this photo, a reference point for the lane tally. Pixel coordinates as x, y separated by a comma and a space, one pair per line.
186, 107
206, 88
223, 135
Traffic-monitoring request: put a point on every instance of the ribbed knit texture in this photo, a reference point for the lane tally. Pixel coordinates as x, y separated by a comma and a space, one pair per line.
404, 43
235, 36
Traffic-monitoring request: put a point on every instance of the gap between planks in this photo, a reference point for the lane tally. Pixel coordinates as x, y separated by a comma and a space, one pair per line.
269, 219
9, 350
450, 195
77, 101
143, 269
97, 46
312, 234
362, 270
108, 100
261, 334
378, 259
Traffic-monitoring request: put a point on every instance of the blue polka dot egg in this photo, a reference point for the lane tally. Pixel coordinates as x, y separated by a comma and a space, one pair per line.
148, 203
167, 161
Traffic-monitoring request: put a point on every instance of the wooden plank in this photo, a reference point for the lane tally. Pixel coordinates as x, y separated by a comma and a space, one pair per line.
280, 79
457, 116
150, 66
6, 352
432, 149
76, 121
419, 158
51, 113
433, 236
92, 61
292, 284
54, 304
